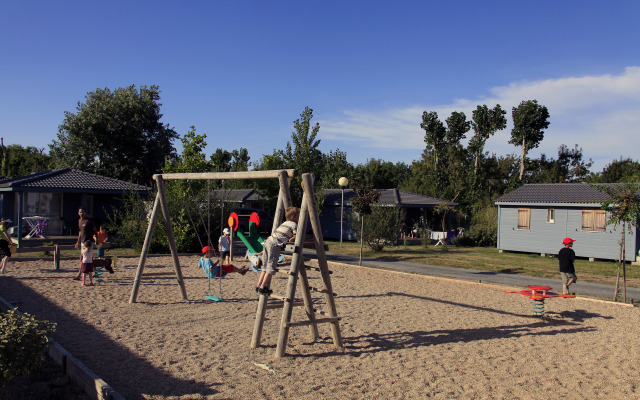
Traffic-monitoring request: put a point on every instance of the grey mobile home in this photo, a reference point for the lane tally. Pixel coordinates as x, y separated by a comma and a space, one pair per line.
536, 217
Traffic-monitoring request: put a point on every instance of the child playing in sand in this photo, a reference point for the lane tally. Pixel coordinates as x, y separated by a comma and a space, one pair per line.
87, 263
208, 265
286, 232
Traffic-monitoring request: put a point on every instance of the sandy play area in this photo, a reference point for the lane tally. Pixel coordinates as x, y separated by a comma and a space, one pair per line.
406, 337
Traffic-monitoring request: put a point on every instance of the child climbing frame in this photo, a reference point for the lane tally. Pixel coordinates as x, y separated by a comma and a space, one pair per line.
160, 203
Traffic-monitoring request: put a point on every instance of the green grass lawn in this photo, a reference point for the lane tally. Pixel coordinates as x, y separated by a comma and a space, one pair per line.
489, 259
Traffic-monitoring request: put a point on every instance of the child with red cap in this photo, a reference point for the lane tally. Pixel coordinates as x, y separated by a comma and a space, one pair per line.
207, 264
566, 256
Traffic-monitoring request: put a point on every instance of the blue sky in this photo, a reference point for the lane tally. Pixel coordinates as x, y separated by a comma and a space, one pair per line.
242, 71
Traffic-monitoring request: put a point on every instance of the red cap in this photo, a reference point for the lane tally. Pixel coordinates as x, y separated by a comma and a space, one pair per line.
206, 249
567, 241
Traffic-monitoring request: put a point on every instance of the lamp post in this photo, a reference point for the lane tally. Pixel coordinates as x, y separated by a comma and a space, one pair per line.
342, 182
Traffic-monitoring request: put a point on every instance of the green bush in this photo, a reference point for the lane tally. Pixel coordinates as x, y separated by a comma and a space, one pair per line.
381, 228
484, 226
23, 344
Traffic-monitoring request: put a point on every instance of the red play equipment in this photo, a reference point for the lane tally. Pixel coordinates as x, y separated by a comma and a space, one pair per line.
538, 294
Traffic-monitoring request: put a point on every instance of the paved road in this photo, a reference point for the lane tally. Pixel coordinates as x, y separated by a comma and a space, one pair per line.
581, 288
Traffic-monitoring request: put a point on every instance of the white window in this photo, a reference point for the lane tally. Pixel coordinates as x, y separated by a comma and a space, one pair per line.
551, 215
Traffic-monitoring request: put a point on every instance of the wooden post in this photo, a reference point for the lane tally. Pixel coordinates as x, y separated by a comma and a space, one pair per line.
257, 328
322, 261
170, 237
145, 249
56, 257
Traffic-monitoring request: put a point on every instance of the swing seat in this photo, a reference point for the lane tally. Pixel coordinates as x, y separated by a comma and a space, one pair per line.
214, 298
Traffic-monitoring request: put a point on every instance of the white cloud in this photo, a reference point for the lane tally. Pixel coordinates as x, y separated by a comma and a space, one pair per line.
599, 113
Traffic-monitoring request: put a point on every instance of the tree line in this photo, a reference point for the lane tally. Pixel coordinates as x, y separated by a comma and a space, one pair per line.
119, 133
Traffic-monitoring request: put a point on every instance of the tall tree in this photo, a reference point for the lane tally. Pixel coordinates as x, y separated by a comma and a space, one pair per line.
382, 174
435, 134
529, 121
304, 154
456, 156
116, 133
623, 208
240, 160
569, 167
486, 122
334, 167
361, 203
18, 161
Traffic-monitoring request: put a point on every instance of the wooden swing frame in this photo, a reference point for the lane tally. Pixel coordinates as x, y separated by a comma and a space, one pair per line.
284, 200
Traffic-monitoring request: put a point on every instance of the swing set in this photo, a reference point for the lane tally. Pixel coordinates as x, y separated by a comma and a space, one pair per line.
297, 270
215, 272
160, 204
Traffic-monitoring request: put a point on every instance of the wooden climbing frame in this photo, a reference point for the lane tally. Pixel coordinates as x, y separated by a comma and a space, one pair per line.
298, 271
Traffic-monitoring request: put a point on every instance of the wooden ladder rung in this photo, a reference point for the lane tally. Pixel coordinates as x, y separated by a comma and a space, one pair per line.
280, 305
315, 321
315, 268
321, 291
158, 273
291, 247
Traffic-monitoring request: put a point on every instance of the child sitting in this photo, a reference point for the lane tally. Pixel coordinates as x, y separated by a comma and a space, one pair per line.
207, 264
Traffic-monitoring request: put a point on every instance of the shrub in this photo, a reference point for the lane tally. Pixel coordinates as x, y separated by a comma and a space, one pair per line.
23, 344
381, 227
425, 237
484, 226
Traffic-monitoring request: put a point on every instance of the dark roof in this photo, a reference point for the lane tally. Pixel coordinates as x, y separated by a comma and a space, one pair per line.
237, 195
68, 180
387, 196
569, 193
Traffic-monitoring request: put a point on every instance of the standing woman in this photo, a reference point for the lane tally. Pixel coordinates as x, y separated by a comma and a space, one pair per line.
5, 242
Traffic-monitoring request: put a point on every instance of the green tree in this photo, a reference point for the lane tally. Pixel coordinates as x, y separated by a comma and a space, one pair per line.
484, 225
361, 203
117, 134
529, 121
457, 171
623, 208
382, 174
569, 167
622, 170
194, 213
334, 167
304, 154
435, 134
16, 160
485, 122
301, 153
382, 225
